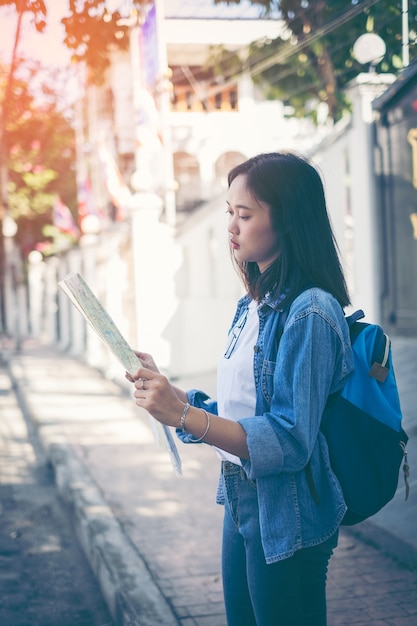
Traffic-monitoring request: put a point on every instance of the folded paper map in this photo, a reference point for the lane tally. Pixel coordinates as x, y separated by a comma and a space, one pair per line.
80, 294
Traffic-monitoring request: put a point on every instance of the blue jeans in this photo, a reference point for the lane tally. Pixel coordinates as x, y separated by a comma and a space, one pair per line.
291, 592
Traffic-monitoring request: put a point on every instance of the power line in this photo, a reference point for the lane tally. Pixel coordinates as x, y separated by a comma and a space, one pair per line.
290, 50
395, 48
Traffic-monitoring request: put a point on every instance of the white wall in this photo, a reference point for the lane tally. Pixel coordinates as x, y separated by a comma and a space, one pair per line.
345, 160
207, 289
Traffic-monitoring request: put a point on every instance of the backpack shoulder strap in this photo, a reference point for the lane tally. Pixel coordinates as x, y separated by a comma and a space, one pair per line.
354, 328
354, 317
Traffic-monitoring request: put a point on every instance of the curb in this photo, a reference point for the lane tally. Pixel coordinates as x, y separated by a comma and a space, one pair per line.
386, 542
131, 594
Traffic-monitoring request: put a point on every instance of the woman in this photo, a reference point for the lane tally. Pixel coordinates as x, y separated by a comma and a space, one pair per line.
283, 504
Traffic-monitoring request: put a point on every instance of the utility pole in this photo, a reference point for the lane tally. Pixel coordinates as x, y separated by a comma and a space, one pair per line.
4, 204
405, 34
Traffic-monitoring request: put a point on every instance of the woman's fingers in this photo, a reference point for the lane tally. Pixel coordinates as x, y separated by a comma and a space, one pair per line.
147, 361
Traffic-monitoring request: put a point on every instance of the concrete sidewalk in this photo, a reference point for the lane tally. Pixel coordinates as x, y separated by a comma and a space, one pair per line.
153, 539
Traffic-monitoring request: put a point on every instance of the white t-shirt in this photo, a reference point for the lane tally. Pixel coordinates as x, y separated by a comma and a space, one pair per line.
236, 392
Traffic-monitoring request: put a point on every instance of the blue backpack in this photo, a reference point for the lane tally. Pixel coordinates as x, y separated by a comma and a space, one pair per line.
362, 426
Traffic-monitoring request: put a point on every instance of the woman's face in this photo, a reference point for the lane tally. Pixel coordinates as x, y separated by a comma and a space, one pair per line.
252, 237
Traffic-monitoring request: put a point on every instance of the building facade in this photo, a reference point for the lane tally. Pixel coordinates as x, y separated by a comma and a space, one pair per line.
170, 285
396, 176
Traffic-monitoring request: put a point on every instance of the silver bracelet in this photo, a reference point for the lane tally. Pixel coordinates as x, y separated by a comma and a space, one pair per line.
183, 416
207, 428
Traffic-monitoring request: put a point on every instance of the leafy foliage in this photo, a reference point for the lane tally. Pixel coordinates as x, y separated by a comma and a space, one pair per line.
36, 7
310, 63
92, 32
313, 60
40, 151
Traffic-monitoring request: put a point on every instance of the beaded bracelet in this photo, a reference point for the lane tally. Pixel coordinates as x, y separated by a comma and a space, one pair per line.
183, 416
207, 428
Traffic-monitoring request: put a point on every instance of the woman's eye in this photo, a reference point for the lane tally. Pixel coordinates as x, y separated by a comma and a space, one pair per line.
231, 213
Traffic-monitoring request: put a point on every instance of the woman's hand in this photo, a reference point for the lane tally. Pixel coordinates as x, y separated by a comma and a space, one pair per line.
154, 393
146, 361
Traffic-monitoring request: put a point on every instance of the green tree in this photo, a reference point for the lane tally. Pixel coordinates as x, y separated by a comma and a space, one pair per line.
92, 32
311, 62
40, 151
35, 7
313, 59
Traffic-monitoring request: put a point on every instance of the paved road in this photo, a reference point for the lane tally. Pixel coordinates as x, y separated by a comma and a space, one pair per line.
153, 539
45, 579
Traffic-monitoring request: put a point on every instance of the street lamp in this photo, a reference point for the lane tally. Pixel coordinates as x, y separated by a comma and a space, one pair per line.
369, 48
405, 33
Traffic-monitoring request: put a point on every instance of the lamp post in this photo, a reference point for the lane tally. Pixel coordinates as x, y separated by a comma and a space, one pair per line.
369, 48
405, 34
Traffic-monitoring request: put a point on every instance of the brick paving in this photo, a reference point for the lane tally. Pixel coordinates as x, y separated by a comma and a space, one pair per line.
171, 523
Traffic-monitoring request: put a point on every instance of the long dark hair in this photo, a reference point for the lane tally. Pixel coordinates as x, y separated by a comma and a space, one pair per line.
308, 252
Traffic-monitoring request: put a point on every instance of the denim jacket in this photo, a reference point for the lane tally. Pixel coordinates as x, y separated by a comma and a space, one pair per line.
292, 387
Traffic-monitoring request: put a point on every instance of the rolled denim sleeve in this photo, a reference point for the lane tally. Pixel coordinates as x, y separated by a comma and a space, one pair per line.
283, 437
200, 400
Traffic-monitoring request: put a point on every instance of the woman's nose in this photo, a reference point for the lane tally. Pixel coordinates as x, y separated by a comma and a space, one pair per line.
233, 226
